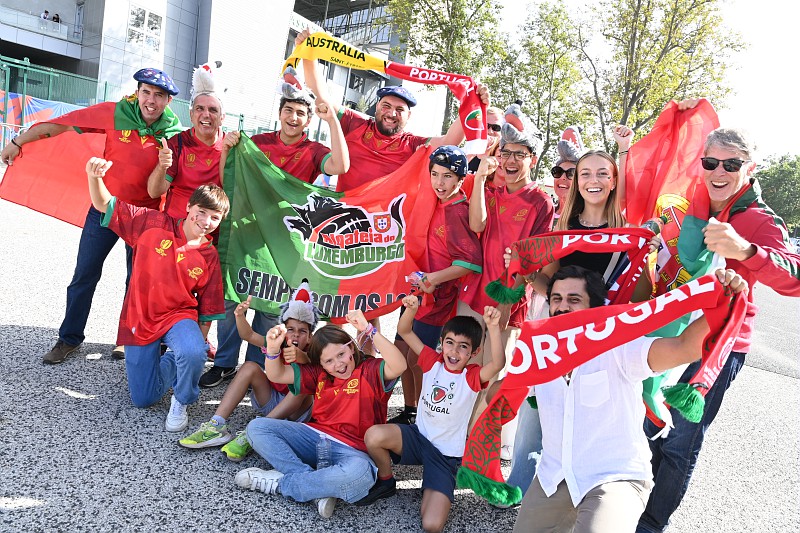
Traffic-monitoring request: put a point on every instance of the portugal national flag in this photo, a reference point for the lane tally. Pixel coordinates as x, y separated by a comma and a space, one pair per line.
355, 248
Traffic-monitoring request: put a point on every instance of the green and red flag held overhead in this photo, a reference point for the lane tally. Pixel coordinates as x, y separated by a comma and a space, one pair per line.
355, 248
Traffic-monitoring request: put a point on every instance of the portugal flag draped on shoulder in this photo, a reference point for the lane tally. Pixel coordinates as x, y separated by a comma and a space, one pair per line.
471, 112
355, 248
49, 174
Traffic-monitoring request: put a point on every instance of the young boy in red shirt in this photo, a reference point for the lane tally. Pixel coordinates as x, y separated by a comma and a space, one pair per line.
174, 292
453, 252
450, 388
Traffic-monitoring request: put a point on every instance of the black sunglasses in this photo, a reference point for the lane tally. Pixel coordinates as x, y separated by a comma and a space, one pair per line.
557, 172
494, 127
730, 165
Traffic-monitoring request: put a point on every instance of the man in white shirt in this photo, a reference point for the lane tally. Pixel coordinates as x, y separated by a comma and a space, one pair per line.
595, 473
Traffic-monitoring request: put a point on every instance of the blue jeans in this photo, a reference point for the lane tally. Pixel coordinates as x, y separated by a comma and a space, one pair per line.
291, 448
528, 440
674, 457
150, 374
229, 341
95, 245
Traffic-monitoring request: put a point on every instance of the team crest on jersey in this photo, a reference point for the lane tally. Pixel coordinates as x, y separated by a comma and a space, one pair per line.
395, 146
126, 136
297, 156
492, 202
164, 245
345, 241
440, 231
195, 272
351, 387
519, 216
190, 160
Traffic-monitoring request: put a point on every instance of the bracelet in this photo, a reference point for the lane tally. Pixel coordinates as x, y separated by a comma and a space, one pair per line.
364, 336
267, 354
622, 152
18, 146
530, 279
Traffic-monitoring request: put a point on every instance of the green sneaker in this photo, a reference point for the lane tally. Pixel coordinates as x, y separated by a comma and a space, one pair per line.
209, 434
238, 448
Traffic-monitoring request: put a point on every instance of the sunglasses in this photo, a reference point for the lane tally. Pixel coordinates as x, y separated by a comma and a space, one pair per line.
494, 127
557, 172
519, 156
730, 165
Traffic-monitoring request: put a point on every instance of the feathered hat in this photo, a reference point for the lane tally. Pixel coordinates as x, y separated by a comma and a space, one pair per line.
301, 306
291, 88
570, 146
204, 80
518, 129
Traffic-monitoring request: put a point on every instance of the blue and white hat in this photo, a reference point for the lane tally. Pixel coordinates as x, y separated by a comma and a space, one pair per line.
451, 157
157, 78
400, 92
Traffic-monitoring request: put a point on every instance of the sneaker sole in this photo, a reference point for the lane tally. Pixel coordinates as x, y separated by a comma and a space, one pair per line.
223, 377
234, 458
59, 361
175, 429
326, 509
219, 441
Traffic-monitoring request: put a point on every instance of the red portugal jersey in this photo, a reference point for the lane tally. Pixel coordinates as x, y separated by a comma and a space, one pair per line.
194, 163
510, 218
450, 243
372, 154
171, 281
345, 409
134, 157
305, 159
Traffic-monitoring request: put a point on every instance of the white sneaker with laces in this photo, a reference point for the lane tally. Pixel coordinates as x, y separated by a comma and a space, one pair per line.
325, 506
177, 418
265, 481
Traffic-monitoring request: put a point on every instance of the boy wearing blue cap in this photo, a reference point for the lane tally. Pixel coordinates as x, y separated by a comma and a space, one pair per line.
133, 129
453, 252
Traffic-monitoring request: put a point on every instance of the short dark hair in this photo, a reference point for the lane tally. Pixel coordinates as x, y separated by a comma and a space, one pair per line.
285, 101
212, 197
595, 286
466, 326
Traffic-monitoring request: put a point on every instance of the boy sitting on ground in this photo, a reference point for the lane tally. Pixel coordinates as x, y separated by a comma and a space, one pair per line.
174, 292
449, 389
273, 400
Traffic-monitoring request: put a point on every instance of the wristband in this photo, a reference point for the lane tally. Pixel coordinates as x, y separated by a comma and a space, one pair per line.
267, 354
18, 146
622, 152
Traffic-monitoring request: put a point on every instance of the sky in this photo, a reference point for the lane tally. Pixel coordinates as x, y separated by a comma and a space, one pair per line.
764, 83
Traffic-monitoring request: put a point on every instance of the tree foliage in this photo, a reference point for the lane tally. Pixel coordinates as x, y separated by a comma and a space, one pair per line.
449, 35
780, 185
655, 50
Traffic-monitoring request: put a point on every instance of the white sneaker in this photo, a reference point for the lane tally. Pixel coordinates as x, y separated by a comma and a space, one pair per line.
325, 506
506, 452
265, 481
177, 418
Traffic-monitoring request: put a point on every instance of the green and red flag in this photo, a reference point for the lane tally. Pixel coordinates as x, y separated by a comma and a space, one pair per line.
355, 248
49, 175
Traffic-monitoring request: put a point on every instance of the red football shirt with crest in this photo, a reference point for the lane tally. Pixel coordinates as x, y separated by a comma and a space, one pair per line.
345, 408
372, 154
450, 243
194, 163
510, 217
305, 159
171, 281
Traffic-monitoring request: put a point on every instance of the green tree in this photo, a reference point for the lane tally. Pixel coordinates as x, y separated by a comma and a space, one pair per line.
449, 35
780, 185
656, 50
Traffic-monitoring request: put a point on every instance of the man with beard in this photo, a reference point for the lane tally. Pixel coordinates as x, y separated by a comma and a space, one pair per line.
595, 473
378, 146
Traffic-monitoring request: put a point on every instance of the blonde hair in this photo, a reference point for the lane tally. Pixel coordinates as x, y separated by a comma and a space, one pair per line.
575, 203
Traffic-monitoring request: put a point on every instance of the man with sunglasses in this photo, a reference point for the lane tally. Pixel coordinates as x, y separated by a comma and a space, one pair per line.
755, 244
494, 122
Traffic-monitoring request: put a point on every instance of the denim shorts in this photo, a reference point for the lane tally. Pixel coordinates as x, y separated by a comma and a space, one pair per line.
274, 400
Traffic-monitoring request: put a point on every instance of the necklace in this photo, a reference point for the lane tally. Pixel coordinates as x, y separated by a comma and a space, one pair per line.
588, 225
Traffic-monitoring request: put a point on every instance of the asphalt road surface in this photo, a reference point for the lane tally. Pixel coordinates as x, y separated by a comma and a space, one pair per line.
77, 456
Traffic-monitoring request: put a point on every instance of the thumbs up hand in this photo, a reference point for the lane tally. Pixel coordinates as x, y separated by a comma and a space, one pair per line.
164, 155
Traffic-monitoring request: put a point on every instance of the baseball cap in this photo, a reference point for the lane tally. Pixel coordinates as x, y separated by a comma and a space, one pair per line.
400, 92
451, 157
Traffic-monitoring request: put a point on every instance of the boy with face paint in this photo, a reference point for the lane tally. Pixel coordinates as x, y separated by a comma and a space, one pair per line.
351, 394
273, 400
449, 390
453, 252
174, 293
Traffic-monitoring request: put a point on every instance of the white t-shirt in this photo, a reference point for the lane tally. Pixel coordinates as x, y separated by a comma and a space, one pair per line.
445, 402
592, 427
